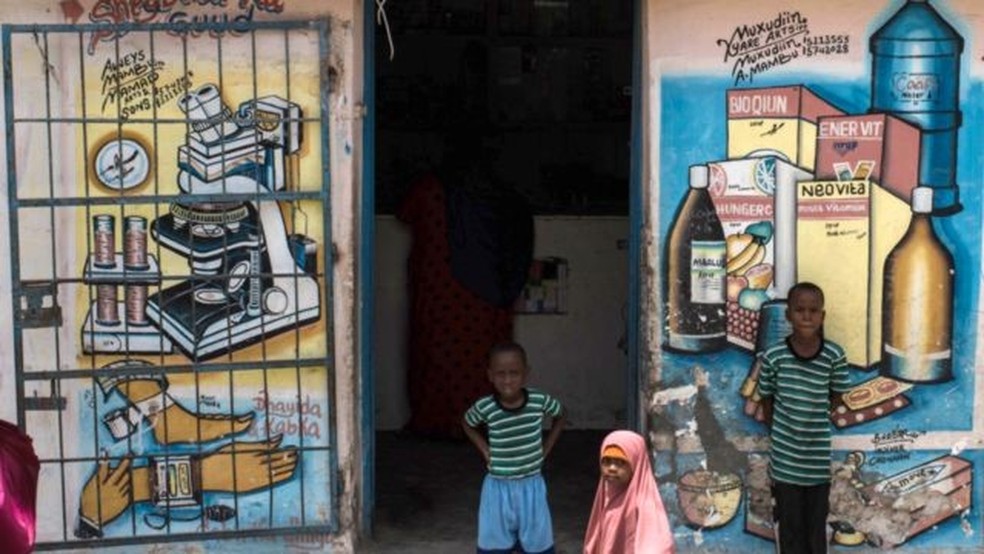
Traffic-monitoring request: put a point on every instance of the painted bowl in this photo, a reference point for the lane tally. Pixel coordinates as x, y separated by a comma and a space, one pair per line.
709, 499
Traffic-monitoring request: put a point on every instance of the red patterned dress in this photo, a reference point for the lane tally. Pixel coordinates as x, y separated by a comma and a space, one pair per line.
451, 329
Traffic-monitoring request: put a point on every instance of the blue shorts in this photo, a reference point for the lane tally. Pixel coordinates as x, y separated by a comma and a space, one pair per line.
513, 514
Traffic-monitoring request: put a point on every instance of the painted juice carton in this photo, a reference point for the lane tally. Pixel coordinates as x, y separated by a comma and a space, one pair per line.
755, 199
844, 232
879, 147
779, 120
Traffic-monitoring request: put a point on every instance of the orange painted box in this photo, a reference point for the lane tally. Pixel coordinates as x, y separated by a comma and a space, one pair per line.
879, 147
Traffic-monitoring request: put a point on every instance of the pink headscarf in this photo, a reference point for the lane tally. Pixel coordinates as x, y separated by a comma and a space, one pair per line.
631, 520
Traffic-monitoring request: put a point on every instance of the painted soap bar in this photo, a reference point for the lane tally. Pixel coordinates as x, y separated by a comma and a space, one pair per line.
948, 475
873, 391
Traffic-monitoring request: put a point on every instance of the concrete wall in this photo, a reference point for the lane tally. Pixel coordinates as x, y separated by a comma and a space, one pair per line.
575, 355
908, 458
259, 409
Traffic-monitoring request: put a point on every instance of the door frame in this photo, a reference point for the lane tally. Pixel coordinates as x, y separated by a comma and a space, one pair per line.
365, 266
366, 260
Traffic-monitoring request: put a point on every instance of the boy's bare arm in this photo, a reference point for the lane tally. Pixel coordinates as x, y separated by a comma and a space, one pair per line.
478, 440
768, 404
554, 434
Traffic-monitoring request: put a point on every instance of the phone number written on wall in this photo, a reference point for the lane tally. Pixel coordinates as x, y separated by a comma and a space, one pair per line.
820, 45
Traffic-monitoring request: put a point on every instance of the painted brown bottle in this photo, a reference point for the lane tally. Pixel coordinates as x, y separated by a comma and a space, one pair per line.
696, 315
917, 301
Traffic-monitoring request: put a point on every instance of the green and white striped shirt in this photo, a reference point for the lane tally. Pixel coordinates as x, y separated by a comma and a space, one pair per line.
801, 410
515, 435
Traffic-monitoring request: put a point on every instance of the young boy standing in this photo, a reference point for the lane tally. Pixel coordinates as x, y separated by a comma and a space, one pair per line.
799, 380
513, 514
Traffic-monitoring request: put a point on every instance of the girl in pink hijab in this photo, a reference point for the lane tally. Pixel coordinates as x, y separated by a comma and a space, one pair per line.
627, 516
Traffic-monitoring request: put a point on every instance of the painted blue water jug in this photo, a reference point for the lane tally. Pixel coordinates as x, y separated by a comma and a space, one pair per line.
915, 75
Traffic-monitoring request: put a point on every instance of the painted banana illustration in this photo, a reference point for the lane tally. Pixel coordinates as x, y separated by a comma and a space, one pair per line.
746, 250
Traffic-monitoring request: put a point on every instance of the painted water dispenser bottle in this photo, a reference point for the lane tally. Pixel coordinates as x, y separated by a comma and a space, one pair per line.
915, 74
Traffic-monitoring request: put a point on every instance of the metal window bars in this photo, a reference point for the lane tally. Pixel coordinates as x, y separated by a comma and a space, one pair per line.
170, 232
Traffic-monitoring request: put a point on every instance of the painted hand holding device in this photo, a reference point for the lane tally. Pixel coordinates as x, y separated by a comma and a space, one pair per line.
175, 481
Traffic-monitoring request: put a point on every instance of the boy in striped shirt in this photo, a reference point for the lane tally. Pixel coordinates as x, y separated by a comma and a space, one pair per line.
513, 515
799, 381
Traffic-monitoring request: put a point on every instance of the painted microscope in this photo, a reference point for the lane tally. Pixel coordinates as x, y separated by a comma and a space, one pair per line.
249, 278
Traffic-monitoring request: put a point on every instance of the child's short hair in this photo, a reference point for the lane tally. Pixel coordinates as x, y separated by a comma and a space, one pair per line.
805, 286
504, 347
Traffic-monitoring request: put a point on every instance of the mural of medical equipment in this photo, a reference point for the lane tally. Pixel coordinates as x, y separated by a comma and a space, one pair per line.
248, 276
174, 483
892, 510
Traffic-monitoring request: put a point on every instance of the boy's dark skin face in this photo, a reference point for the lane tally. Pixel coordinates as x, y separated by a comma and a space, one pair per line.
507, 372
805, 312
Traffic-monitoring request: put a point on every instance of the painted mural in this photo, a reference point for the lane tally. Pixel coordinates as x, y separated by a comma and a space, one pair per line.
796, 146
191, 275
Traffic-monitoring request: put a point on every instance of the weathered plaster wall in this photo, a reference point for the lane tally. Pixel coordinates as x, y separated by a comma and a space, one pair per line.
67, 230
908, 457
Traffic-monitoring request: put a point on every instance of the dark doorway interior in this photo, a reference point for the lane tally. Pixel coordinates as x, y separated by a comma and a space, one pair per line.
545, 83
544, 87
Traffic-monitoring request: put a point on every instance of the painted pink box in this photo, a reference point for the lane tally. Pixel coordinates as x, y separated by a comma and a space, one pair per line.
890, 144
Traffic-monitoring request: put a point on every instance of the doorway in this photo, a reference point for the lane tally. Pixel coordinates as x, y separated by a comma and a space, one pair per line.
545, 89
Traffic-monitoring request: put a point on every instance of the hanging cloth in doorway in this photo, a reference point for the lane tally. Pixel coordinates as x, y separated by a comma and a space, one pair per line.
491, 237
451, 328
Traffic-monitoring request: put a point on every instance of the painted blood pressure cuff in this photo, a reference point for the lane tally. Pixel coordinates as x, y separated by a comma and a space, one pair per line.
175, 482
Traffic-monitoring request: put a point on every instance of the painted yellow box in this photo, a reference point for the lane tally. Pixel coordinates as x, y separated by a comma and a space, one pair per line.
776, 120
844, 232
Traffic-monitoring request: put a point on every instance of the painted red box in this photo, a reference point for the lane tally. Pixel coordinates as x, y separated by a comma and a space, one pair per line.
880, 147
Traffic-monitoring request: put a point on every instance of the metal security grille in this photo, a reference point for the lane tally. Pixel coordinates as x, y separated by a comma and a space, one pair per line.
170, 251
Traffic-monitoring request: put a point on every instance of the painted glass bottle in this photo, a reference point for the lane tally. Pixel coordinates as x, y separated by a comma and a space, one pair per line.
696, 314
917, 301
